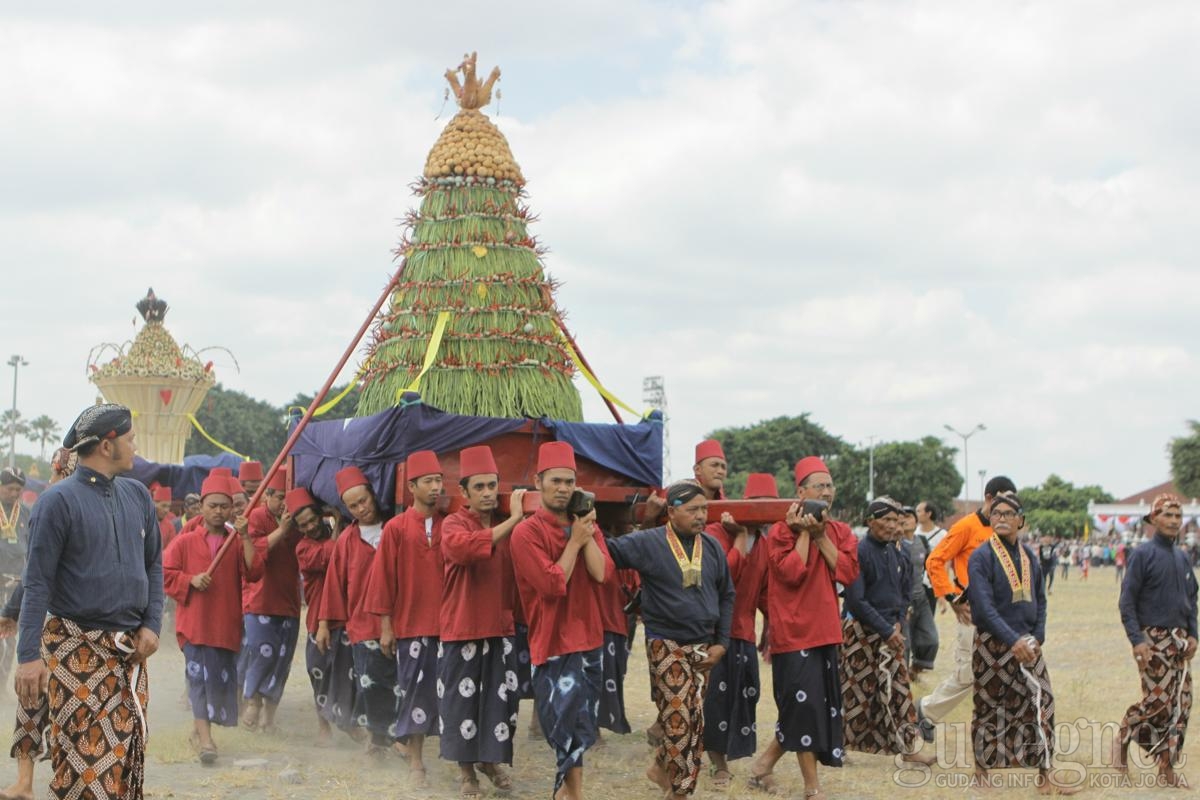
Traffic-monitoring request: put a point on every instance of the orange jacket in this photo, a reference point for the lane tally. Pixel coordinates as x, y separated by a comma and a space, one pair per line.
955, 548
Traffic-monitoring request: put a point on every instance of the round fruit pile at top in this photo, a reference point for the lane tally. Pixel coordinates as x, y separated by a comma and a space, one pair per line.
472, 146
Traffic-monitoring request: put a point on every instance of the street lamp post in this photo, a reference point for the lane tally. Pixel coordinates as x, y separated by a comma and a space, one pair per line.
871, 468
966, 463
982, 477
15, 362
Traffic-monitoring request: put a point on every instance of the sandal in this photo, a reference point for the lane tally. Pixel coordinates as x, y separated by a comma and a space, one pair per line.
764, 783
721, 778
469, 789
497, 776
208, 755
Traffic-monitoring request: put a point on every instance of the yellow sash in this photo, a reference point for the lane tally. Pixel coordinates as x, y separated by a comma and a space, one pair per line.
1022, 585
690, 567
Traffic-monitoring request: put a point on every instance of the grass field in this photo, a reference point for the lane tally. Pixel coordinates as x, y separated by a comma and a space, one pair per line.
1090, 665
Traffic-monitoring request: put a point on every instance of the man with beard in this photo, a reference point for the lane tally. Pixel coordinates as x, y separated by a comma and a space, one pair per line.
95, 565
477, 679
877, 703
271, 606
808, 556
344, 604
687, 608
330, 666
1012, 724
208, 622
405, 591
560, 561
1158, 610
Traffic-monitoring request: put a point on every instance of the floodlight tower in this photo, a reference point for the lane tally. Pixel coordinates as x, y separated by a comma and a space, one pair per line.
654, 394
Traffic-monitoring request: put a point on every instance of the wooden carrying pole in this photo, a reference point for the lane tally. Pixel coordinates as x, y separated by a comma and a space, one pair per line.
582, 360
312, 407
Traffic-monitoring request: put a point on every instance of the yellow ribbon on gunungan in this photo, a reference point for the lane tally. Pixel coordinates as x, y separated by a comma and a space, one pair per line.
599, 387
435, 342
196, 423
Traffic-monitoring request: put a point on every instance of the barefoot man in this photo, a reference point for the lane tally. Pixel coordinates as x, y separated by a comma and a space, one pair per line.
1158, 610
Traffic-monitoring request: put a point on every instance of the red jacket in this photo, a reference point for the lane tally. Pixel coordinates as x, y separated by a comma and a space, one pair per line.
212, 617
313, 558
478, 589
277, 593
749, 574
564, 615
406, 577
802, 601
194, 524
346, 587
167, 530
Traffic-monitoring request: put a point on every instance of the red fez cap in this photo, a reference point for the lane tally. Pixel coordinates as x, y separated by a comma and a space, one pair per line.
235, 487
556, 455
346, 479
250, 471
278, 480
709, 448
760, 484
221, 472
422, 462
807, 466
477, 461
215, 484
297, 499
162, 493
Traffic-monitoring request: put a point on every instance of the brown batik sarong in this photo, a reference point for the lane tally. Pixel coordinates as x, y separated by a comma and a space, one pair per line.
97, 703
1157, 723
1013, 721
878, 713
30, 735
677, 689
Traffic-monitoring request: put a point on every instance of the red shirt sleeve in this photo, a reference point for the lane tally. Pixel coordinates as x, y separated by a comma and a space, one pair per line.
610, 569
461, 545
533, 560
847, 545
312, 556
781, 549
383, 580
176, 583
335, 604
258, 564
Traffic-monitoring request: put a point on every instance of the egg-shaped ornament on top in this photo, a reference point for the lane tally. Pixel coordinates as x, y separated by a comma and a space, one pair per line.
161, 382
473, 295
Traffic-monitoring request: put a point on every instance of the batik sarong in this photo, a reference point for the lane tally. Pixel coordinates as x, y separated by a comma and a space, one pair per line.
678, 692
96, 700
270, 644
808, 697
31, 734
1013, 721
615, 656
878, 712
1157, 723
375, 696
477, 700
332, 677
731, 701
566, 693
211, 675
524, 663
416, 687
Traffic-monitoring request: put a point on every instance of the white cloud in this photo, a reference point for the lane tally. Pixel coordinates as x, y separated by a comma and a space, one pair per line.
890, 215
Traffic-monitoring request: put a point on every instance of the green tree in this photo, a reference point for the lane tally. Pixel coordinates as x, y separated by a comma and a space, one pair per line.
774, 446
908, 472
1185, 461
42, 430
1059, 508
13, 424
252, 427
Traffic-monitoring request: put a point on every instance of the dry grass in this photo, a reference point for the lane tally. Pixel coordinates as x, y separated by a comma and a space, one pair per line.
1090, 666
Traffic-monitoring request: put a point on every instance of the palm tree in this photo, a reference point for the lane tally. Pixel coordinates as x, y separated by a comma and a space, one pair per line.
12, 422
42, 430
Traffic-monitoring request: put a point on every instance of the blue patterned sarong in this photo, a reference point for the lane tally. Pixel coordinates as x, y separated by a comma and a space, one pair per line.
211, 675
267, 651
566, 693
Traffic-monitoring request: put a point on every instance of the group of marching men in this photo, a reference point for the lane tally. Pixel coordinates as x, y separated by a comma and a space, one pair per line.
425, 624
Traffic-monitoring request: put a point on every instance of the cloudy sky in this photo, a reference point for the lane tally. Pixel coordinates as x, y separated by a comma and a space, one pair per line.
892, 215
